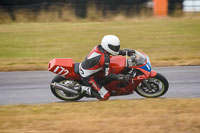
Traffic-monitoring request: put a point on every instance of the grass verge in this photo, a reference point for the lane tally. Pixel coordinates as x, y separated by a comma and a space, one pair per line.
168, 41
115, 116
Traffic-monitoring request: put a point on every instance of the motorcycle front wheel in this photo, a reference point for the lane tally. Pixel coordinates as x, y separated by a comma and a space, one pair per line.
153, 87
63, 95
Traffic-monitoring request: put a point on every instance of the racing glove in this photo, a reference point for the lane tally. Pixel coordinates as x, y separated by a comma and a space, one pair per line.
129, 52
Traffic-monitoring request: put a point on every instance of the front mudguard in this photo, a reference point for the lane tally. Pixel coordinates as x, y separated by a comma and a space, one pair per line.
153, 73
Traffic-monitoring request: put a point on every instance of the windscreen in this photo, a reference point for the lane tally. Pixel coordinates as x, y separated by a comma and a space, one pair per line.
136, 59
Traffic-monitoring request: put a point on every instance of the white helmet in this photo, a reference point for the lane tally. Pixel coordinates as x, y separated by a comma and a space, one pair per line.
111, 44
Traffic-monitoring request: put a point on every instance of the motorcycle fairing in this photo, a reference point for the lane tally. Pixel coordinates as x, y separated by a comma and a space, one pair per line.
147, 66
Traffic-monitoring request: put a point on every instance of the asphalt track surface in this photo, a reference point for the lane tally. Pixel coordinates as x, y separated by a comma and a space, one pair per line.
32, 87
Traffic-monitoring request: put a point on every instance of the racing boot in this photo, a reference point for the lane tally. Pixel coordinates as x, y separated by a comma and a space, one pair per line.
79, 88
85, 90
89, 91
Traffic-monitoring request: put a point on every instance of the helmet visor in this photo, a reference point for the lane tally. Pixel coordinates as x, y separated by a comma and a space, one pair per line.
114, 48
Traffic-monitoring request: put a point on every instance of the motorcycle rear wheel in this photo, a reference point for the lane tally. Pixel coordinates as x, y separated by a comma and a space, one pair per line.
153, 87
63, 95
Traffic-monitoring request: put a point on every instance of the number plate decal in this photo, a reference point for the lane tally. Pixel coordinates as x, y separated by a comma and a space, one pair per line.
61, 70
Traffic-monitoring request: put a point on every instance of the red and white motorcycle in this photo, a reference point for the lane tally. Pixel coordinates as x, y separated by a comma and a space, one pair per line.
144, 81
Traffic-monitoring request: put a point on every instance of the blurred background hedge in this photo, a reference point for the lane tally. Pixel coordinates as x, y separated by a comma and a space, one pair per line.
67, 10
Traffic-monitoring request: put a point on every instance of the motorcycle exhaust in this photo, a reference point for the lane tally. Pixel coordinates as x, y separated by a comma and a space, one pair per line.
63, 88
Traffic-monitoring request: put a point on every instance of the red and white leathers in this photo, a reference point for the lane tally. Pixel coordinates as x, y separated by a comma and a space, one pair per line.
96, 61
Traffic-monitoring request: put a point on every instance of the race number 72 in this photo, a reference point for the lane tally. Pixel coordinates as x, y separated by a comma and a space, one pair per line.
61, 71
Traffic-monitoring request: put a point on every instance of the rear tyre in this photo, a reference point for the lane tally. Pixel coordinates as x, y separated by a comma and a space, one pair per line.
63, 95
153, 87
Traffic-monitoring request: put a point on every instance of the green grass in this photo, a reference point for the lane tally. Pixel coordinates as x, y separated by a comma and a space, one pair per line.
115, 116
168, 41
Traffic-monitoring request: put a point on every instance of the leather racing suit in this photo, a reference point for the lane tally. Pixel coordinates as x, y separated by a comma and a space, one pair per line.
97, 60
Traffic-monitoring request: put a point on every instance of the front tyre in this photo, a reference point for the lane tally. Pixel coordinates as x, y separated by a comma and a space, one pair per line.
153, 87
63, 95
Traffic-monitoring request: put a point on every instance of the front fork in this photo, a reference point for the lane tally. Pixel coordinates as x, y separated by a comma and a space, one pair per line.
152, 74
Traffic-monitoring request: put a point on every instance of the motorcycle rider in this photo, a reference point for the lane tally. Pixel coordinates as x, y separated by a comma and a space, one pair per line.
97, 60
